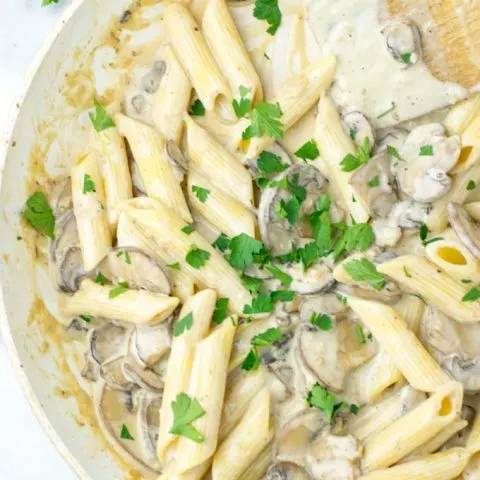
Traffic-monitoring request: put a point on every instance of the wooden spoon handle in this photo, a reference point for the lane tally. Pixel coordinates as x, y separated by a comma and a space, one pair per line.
450, 36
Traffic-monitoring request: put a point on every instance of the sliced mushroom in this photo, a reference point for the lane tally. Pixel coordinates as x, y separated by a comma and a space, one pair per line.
392, 136
139, 104
387, 232
276, 149
428, 155
403, 41
280, 380
455, 346
379, 196
107, 341
148, 344
277, 234
359, 128
152, 79
148, 422
63, 202
177, 160
77, 328
137, 268
287, 470
317, 279
410, 214
112, 373
328, 304
143, 377
466, 228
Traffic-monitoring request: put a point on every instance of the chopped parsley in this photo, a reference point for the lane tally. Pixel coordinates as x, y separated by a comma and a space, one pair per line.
282, 296
242, 107
319, 397
185, 411
308, 151
321, 321
243, 248
269, 11
197, 257
39, 215
260, 304
49, 2
100, 120
406, 58
222, 242
188, 229
125, 253
269, 337
357, 237
201, 193
407, 272
221, 311
471, 185
363, 270
284, 278
125, 434
394, 152
266, 119
197, 109
352, 162
121, 288
359, 335
466, 280
88, 184
100, 279
472, 295
289, 210
374, 182
86, 318
269, 163
424, 231
387, 112
174, 266
183, 325
426, 151
251, 284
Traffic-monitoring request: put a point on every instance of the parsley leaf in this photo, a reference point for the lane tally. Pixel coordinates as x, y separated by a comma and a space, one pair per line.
100, 120
406, 57
284, 278
374, 182
125, 253
308, 254
359, 335
265, 120
49, 2
188, 229
174, 266
267, 338
471, 185
125, 434
357, 237
221, 311
394, 152
308, 151
251, 284
197, 109
122, 287
282, 296
364, 270
243, 247
352, 162
222, 242
252, 360
183, 325
321, 320
88, 184
426, 151
260, 304
268, 10
185, 411
200, 193
386, 112
197, 257
242, 108
288, 209
322, 399
39, 215
100, 279
472, 295
423, 232
86, 318
268, 163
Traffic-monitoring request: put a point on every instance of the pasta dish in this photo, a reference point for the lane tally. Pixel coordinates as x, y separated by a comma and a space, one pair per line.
265, 247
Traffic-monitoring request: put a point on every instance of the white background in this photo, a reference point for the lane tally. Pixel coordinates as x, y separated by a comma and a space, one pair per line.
25, 450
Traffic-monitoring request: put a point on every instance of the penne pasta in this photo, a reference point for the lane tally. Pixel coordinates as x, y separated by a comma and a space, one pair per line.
470, 140
89, 201
136, 306
257, 469
434, 284
460, 115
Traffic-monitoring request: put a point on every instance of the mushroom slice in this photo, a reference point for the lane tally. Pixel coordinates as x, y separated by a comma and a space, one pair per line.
112, 372
114, 410
276, 149
148, 344
392, 136
328, 356
277, 233
455, 346
327, 304
107, 341
359, 128
148, 425
64, 202
410, 214
137, 268
403, 41
177, 160
374, 183
152, 79
143, 377
287, 470
317, 279
466, 228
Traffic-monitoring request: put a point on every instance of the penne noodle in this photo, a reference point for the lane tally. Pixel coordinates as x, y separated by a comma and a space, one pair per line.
171, 100
473, 209
136, 306
229, 51
470, 141
462, 114
179, 367
415, 428
90, 212
296, 97
434, 284
406, 351
335, 145
257, 469
189, 44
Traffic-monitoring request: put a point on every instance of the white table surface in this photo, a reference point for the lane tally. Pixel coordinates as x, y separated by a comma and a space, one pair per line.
25, 450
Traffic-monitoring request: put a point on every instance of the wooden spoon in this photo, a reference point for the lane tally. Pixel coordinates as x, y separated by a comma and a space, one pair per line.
450, 36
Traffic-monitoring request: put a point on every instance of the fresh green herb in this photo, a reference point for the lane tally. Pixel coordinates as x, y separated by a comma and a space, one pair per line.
426, 151
352, 162
102, 206
174, 266
260, 304
471, 185
243, 247
262, 182
282, 296
466, 280
472, 295
322, 399
86, 318
423, 232
125, 434
321, 320
266, 55
343, 300
251, 284
197, 257
125, 253
322, 231
100, 279
266, 119
285, 278
88, 184
19, 237
370, 336
221, 311
308, 254
200, 193
222, 242
49, 2
39, 215
269, 337
357, 237
122, 287
183, 325
431, 240
406, 272
387, 112
242, 107
270, 163
100, 120
406, 57
374, 182
268, 10
394, 152
308, 151
353, 133
359, 335
188, 229
364, 270
197, 109
185, 411
289, 209
354, 409
252, 360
